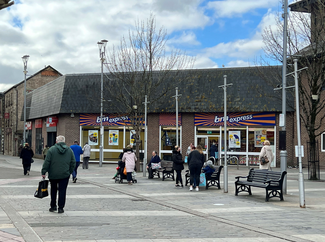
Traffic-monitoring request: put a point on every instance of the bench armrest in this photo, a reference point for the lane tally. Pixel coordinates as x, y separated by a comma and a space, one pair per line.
238, 177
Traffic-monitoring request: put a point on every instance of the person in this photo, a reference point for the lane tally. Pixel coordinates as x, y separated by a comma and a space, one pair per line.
213, 151
154, 159
77, 150
26, 155
208, 169
59, 164
178, 165
129, 158
86, 151
195, 163
120, 159
189, 149
45, 151
266, 151
20, 148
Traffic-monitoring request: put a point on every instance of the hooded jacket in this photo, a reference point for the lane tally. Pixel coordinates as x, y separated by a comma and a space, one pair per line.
59, 162
177, 161
129, 158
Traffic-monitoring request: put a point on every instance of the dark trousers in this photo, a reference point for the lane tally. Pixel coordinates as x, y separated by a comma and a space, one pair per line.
61, 186
179, 177
129, 176
195, 172
150, 171
26, 168
85, 163
74, 173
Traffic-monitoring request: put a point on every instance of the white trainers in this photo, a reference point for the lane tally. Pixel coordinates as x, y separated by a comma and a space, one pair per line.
191, 188
197, 189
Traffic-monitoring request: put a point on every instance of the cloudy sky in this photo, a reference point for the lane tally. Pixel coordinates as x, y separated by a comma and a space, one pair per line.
64, 34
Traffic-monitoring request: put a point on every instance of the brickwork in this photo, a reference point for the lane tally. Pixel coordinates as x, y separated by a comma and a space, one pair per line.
69, 127
153, 134
187, 131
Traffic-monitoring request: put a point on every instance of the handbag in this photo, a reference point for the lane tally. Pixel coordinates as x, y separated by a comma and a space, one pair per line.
264, 160
124, 171
42, 190
155, 166
203, 181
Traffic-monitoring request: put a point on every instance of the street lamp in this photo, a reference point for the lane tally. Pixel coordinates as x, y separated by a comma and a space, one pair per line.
25, 60
101, 45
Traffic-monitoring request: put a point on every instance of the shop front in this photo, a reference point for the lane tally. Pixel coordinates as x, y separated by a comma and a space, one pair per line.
246, 133
118, 133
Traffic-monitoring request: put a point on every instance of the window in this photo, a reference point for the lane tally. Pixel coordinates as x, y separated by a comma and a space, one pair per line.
323, 142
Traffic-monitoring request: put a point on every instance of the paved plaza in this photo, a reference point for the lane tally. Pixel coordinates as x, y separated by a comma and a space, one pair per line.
100, 210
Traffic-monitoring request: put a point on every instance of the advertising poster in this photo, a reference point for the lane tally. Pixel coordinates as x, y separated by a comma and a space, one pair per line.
234, 139
259, 137
93, 137
113, 137
132, 137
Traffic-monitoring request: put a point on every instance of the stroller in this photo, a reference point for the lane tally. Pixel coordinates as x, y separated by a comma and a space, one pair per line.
120, 176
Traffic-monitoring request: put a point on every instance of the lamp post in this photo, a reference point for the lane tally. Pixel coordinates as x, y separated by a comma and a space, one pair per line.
145, 136
101, 45
176, 98
25, 60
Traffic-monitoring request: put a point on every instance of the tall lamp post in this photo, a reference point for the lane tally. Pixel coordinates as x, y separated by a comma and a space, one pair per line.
101, 45
25, 60
176, 97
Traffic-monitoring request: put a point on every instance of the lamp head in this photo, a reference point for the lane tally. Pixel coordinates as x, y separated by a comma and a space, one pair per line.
104, 41
25, 59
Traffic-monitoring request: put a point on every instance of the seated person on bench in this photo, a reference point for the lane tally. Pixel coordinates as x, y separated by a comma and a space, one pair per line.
209, 169
154, 159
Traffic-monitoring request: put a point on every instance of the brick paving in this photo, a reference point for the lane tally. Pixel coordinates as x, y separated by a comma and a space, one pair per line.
100, 210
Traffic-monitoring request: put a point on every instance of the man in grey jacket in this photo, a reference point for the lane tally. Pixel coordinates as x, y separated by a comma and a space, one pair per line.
86, 149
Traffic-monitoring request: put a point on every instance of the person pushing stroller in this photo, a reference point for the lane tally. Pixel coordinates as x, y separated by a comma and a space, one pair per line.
129, 160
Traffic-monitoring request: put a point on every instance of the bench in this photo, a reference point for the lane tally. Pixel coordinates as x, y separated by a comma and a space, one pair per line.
167, 170
272, 181
213, 180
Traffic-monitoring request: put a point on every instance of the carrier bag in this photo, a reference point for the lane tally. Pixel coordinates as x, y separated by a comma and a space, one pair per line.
42, 190
202, 180
124, 171
155, 166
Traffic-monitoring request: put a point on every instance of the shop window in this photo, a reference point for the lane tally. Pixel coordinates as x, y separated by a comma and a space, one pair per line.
39, 142
256, 137
168, 137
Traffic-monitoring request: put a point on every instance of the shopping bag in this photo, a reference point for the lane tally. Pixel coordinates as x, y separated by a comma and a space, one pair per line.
124, 171
42, 190
185, 159
155, 166
202, 180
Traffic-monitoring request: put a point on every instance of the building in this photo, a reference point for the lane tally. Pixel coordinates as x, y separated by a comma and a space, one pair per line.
12, 102
70, 106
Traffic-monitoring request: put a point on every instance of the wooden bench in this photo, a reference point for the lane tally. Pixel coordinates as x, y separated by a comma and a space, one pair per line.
213, 180
167, 170
272, 181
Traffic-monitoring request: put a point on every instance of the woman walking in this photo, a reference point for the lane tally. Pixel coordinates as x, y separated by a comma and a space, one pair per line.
195, 163
26, 155
129, 158
266, 151
178, 165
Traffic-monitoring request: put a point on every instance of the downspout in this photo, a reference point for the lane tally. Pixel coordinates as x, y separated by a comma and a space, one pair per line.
16, 150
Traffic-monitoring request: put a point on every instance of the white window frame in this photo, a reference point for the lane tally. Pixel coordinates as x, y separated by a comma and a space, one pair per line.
322, 141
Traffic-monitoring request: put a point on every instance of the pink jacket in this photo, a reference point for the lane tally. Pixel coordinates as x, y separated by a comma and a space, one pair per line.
129, 158
266, 150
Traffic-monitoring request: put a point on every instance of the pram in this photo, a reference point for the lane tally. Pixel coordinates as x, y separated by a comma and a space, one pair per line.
120, 176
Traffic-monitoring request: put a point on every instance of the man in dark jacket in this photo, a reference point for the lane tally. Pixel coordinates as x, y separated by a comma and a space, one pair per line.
26, 155
77, 150
154, 159
59, 163
178, 165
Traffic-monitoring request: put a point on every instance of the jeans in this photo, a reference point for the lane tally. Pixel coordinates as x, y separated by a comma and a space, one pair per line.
195, 172
61, 186
85, 163
179, 177
26, 168
74, 173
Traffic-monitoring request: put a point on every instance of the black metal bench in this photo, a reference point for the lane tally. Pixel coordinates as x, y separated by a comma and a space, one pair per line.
213, 180
272, 181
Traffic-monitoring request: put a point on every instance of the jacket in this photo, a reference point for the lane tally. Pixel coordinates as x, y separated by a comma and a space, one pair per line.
129, 158
213, 149
59, 162
26, 154
195, 159
178, 163
45, 150
266, 150
86, 150
77, 150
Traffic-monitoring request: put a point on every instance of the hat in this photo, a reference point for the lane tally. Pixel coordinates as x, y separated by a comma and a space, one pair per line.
209, 162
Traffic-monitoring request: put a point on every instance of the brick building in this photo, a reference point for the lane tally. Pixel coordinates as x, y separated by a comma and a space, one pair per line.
12, 102
70, 106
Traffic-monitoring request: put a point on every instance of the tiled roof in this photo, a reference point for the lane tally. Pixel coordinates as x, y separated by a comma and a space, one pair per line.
251, 90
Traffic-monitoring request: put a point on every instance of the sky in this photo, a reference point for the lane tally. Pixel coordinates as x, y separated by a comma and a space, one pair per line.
64, 34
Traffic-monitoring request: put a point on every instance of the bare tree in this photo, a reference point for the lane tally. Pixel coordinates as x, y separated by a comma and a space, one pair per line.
306, 42
141, 66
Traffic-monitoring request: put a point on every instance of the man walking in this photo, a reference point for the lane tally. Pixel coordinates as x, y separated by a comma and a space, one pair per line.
77, 150
86, 157
59, 163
